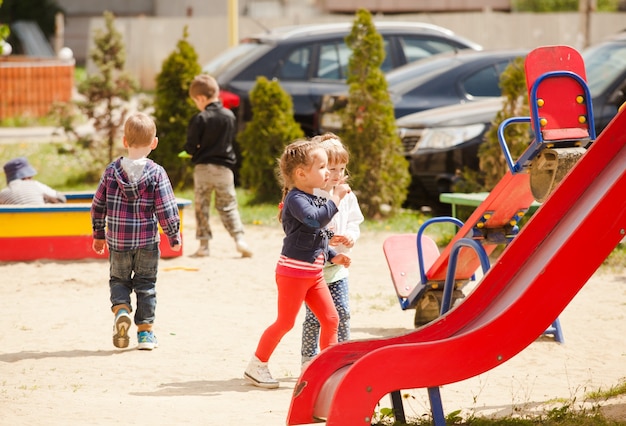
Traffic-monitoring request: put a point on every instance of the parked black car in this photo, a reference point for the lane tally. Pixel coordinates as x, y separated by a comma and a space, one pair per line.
441, 141
311, 60
445, 79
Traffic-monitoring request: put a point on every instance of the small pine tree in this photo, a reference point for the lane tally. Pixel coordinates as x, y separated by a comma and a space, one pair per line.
107, 92
492, 163
378, 169
173, 109
262, 141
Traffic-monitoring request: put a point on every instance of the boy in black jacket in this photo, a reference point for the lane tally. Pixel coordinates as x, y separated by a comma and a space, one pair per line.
210, 137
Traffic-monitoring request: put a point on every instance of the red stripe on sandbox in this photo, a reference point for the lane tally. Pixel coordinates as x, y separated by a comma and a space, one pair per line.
59, 248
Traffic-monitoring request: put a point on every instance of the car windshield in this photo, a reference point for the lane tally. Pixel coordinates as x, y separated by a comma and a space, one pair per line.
603, 63
231, 57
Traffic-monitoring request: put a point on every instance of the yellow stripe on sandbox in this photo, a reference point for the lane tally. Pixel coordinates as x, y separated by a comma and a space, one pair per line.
49, 222
44, 224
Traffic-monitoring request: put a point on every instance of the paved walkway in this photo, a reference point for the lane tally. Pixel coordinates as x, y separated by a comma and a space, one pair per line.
30, 134
37, 134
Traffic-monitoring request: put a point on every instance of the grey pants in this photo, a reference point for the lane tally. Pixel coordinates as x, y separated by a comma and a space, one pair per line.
209, 178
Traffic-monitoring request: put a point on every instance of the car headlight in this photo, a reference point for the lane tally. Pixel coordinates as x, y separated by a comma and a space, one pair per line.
447, 137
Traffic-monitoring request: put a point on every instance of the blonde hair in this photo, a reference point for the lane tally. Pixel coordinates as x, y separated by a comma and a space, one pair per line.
296, 154
335, 149
204, 85
139, 130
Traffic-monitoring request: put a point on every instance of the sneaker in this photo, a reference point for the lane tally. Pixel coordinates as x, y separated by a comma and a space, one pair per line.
120, 329
203, 251
244, 249
259, 374
147, 340
306, 360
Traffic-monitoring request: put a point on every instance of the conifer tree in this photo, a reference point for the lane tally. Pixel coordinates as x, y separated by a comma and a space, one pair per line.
378, 169
107, 92
173, 108
492, 164
262, 141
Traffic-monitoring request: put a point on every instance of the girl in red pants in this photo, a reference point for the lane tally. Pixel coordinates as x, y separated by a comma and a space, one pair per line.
299, 276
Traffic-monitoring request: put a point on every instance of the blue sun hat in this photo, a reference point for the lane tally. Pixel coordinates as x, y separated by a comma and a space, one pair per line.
18, 168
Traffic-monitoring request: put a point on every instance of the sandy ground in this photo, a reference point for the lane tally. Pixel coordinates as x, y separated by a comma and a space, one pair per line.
58, 365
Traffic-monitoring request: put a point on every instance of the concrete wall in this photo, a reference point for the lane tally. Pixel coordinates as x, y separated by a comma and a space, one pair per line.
412, 6
150, 40
96, 7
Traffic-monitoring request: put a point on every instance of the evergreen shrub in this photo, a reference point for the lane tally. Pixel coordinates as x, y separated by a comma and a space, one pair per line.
173, 108
263, 139
379, 172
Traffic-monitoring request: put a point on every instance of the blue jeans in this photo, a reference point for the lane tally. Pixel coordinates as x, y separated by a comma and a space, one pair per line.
311, 325
135, 270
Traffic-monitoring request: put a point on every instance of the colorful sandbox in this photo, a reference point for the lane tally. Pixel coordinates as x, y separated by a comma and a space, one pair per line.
57, 231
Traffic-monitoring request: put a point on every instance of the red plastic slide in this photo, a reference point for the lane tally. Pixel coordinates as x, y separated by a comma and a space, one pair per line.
521, 295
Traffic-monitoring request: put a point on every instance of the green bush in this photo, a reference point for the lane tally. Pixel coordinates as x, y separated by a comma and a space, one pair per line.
262, 141
492, 163
378, 169
173, 108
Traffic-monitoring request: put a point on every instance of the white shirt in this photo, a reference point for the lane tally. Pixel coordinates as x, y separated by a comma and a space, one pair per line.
346, 222
27, 191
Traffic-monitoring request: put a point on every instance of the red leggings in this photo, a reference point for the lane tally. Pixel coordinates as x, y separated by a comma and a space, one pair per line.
292, 291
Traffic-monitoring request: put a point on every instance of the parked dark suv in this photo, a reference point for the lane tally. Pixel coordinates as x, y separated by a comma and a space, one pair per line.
441, 141
312, 60
446, 79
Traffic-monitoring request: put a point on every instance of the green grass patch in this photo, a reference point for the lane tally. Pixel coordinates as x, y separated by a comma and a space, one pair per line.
612, 392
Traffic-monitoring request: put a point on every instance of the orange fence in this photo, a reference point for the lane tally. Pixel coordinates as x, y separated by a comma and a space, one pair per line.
29, 86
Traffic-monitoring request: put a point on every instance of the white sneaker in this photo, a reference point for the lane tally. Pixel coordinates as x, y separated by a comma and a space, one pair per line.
120, 329
259, 374
243, 248
304, 363
203, 249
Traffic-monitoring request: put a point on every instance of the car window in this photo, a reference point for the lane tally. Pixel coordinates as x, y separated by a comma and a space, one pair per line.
387, 64
296, 65
418, 48
410, 76
603, 64
485, 82
333, 62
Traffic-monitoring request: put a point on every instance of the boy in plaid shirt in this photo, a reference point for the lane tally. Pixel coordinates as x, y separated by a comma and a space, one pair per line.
134, 196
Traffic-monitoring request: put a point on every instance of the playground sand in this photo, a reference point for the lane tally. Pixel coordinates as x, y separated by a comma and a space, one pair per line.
58, 365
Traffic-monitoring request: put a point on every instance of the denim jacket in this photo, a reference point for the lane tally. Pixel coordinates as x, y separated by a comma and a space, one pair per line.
304, 219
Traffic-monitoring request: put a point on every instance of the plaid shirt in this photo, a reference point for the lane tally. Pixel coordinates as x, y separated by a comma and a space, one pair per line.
132, 211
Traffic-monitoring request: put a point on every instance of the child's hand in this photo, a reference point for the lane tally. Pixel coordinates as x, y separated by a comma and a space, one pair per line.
98, 246
347, 241
341, 259
176, 247
341, 190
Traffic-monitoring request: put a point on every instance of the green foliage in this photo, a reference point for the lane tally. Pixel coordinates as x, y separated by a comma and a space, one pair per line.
491, 158
517, 136
5, 31
379, 172
620, 388
262, 141
107, 92
173, 109
560, 5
